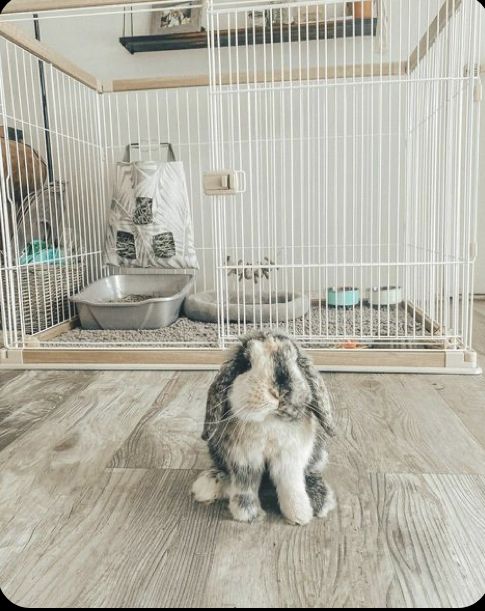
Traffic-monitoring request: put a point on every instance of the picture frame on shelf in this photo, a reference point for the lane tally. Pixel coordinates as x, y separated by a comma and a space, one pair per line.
311, 14
363, 9
189, 16
258, 19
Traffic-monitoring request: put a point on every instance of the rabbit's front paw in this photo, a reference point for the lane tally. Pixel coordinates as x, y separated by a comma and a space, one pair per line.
245, 508
208, 487
297, 510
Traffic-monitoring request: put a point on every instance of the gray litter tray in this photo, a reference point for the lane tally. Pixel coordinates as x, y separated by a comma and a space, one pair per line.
132, 301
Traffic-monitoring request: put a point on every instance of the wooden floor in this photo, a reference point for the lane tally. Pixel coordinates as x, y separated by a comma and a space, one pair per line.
95, 510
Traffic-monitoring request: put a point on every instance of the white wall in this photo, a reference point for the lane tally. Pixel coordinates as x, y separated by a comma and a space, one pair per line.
91, 41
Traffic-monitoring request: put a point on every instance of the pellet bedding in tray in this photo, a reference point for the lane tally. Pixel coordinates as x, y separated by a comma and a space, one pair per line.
317, 322
130, 299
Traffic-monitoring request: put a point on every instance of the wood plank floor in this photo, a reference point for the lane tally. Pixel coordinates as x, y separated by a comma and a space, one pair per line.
95, 506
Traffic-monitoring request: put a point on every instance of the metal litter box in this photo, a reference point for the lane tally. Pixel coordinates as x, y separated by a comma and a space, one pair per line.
157, 301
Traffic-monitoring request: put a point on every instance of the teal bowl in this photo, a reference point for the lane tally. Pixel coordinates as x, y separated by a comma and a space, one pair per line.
343, 297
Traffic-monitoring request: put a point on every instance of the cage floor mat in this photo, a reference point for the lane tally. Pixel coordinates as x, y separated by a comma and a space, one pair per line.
318, 323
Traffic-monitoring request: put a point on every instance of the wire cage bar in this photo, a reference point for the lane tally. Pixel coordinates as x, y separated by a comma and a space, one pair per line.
355, 125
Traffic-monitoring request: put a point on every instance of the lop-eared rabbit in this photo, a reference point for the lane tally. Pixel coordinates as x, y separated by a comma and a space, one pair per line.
268, 411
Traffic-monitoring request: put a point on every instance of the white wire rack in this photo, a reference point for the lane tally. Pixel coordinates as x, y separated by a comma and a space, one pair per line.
356, 126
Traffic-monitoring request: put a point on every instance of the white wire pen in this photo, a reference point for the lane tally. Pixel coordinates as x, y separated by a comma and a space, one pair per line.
361, 167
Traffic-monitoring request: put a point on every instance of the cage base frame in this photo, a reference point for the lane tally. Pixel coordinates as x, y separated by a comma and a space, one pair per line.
36, 339
437, 360
375, 361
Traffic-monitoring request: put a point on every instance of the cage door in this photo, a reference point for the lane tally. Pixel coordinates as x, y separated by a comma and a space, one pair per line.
262, 277
226, 182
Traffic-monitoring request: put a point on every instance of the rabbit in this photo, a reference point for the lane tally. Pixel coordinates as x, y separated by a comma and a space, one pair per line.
268, 411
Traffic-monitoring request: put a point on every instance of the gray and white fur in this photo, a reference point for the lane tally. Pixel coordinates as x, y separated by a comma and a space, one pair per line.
267, 410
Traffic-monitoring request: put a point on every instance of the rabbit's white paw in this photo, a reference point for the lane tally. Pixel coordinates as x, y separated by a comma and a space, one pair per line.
297, 510
208, 487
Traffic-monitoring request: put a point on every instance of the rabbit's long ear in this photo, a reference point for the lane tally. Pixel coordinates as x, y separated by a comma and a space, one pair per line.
217, 406
321, 404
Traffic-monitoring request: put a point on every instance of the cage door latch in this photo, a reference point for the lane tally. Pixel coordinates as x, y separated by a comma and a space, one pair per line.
224, 182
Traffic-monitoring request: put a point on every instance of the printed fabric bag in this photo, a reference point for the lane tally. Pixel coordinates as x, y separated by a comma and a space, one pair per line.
149, 222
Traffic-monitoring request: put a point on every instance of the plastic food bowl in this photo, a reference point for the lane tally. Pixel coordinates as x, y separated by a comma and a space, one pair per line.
384, 296
131, 301
343, 297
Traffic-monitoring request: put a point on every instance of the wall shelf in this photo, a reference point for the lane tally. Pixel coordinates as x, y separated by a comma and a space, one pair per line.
345, 28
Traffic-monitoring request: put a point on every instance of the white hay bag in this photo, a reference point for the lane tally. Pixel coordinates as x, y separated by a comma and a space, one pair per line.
149, 223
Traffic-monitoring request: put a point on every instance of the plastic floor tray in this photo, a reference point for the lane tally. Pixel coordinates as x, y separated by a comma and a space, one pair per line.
157, 299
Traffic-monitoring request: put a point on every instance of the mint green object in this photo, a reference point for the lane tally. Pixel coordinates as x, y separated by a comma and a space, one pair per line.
39, 251
343, 297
